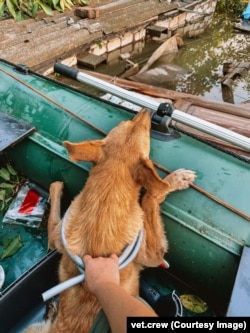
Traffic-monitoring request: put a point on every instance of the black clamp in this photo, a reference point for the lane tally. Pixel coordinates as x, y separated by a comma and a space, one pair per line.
165, 109
23, 69
160, 123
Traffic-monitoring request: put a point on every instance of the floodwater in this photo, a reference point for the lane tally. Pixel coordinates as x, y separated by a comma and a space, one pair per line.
202, 58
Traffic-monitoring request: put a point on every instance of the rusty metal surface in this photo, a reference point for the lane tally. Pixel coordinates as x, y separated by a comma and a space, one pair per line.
12, 131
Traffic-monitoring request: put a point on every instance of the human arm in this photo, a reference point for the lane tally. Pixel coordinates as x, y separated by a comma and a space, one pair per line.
103, 280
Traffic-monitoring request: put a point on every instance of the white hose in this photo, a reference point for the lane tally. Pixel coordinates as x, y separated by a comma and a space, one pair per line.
62, 286
125, 258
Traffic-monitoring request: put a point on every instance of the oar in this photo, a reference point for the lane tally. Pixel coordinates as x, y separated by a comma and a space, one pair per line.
164, 109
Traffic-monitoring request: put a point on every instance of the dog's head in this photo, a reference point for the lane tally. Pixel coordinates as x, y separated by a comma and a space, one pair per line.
128, 144
129, 141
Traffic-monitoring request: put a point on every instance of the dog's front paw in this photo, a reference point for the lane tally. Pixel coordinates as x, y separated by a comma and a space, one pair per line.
180, 179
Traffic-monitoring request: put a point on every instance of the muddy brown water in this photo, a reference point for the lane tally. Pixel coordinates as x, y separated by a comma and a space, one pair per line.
202, 58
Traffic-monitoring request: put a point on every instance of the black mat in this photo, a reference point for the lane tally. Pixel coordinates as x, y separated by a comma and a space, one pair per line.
12, 130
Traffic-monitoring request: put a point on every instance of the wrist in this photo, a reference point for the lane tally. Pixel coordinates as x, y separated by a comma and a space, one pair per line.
104, 287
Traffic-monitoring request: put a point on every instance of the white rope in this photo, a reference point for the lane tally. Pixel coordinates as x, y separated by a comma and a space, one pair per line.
125, 258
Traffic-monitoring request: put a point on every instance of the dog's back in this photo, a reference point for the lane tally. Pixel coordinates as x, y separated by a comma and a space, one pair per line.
106, 213
106, 216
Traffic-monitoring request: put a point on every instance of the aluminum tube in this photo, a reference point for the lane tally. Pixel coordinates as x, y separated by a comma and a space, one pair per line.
144, 101
212, 129
182, 117
133, 97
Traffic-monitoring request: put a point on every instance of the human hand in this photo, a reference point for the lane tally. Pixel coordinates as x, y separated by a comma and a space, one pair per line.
100, 271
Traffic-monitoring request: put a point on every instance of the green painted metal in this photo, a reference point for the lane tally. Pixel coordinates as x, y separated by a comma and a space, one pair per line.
205, 237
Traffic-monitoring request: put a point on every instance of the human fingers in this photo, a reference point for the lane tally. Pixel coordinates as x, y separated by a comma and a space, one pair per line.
101, 270
114, 257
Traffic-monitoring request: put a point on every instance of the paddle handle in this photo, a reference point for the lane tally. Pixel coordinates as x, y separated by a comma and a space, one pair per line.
131, 96
66, 70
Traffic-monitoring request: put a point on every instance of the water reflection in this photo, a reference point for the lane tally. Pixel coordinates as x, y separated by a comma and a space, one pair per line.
204, 58
201, 58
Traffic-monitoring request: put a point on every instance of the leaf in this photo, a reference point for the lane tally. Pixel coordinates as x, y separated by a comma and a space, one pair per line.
6, 241
11, 8
20, 16
193, 303
67, 5
2, 195
4, 173
55, 3
45, 8
62, 4
7, 200
2, 5
15, 2
2, 207
83, 2
7, 185
13, 246
69, 2
35, 8
11, 170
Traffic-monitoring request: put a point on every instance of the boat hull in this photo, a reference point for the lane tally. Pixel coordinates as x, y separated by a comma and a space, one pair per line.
207, 225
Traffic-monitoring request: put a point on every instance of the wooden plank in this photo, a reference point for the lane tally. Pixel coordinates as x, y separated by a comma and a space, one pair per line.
232, 71
91, 60
87, 12
235, 123
156, 30
243, 26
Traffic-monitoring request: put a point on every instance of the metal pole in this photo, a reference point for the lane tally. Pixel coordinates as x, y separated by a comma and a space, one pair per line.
146, 102
212, 129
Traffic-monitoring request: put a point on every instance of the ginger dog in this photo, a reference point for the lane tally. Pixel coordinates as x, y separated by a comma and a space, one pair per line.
107, 215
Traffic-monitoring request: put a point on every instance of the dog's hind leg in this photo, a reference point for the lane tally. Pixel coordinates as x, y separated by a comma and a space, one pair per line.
154, 244
54, 221
45, 325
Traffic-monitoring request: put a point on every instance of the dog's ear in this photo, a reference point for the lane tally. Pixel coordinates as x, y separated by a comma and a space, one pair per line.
146, 175
89, 151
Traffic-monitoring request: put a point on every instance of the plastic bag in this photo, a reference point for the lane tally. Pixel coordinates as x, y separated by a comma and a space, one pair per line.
27, 208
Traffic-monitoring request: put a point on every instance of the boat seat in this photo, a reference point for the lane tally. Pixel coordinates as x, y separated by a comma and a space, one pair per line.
12, 130
240, 297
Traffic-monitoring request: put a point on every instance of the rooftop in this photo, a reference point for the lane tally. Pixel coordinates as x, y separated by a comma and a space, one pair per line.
41, 41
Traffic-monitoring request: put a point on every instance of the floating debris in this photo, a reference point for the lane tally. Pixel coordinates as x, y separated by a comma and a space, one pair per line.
193, 303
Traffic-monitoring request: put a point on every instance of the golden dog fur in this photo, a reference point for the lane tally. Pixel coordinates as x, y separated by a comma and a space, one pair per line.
107, 215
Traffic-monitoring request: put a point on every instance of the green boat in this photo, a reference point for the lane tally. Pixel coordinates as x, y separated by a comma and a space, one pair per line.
208, 225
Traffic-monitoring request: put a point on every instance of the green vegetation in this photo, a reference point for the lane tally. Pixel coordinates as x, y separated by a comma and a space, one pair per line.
231, 8
10, 182
21, 9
